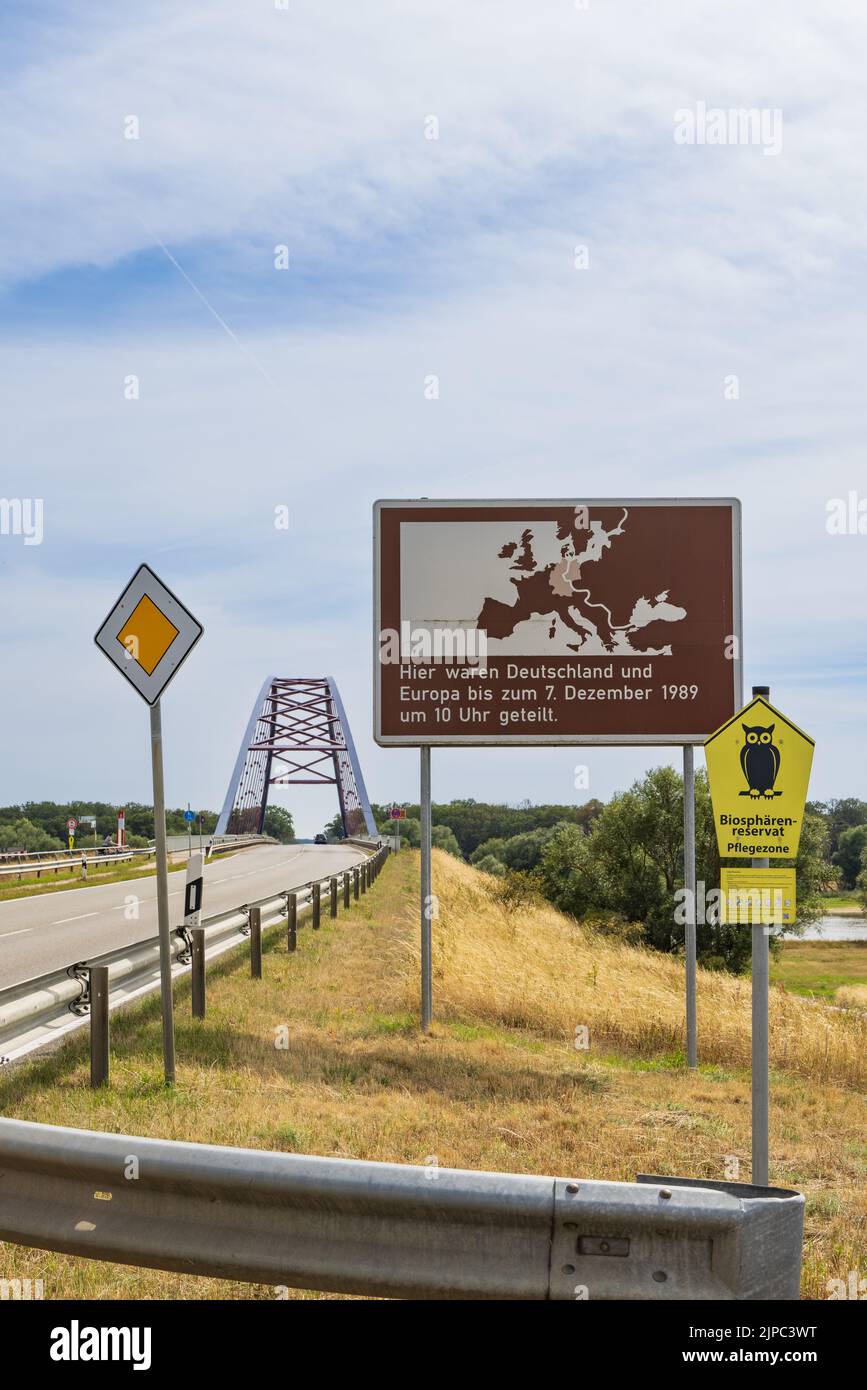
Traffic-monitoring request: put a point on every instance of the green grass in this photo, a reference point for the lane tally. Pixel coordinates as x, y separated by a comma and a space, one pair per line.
359, 1080
843, 902
32, 887
820, 967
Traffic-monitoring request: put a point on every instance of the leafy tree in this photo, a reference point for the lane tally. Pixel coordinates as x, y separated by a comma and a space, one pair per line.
23, 834
839, 815
489, 864
474, 822
861, 881
568, 876
850, 846
51, 817
523, 852
631, 864
279, 823
488, 849
444, 838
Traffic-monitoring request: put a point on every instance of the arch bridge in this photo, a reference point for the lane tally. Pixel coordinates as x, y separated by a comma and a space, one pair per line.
297, 735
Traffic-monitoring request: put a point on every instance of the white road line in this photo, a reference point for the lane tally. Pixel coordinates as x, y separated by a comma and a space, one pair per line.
60, 921
21, 932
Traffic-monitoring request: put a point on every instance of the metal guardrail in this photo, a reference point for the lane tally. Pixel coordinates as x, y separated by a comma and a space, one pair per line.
36, 862
45, 1007
393, 1231
91, 855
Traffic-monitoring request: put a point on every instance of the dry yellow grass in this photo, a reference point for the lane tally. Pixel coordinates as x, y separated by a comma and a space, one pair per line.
497, 1085
852, 996
534, 968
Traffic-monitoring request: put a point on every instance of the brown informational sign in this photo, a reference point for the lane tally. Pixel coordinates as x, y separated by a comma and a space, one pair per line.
551, 622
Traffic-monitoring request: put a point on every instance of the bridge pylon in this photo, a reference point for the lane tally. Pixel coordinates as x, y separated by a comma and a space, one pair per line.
297, 735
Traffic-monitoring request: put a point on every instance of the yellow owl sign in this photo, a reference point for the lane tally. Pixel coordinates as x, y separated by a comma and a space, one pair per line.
758, 766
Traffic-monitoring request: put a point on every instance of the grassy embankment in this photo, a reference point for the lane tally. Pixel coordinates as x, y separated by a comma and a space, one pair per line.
498, 1085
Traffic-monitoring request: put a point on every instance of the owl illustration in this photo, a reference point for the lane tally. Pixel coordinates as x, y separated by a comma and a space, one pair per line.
760, 760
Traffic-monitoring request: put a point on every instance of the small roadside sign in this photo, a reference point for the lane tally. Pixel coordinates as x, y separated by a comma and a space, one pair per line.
72, 825
397, 813
148, 634
189, 815
758, 767
754, 896
193, 891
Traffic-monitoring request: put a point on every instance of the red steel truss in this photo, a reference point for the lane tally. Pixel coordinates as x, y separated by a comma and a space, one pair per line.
297, 735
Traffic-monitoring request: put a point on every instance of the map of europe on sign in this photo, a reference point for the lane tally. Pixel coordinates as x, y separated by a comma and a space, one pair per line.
597, 621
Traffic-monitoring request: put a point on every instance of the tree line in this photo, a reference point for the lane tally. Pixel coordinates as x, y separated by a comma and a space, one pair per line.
619, 866
41, 825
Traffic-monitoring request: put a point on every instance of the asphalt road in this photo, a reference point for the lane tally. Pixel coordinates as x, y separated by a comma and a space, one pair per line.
53, 930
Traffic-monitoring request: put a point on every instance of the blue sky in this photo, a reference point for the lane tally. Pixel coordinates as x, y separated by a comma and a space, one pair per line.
409, 256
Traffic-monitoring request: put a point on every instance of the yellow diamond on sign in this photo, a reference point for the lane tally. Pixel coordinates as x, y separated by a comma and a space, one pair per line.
758, 767
147, 634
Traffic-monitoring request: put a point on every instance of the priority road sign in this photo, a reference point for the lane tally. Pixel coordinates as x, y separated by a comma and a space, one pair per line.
148, 633
758, 767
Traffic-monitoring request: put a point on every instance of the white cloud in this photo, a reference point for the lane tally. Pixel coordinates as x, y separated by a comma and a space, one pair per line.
307, 126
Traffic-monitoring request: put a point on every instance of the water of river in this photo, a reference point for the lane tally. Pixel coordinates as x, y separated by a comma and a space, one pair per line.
836, 929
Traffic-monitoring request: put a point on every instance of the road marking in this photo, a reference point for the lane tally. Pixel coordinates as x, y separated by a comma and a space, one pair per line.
60, 921
21, 932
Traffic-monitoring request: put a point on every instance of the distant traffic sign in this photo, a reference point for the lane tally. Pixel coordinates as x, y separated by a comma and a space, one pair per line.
72, 824
189, 815
397, 813
758, 766
148, 633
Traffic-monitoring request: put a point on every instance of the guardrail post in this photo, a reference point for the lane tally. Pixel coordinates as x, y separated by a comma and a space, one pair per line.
256, 943
98, 1025
347, 886
355, 884
363, 877
316, 900
291, 921
197, 977
334, 897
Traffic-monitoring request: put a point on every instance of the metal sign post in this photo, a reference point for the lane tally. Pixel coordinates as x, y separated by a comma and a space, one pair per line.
426, 901
760, 1041
689, 886
758, 766
147, 635
163, 895
547, 601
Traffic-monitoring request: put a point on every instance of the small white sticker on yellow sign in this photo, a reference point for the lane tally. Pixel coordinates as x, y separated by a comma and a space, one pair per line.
148, 633
753, 895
